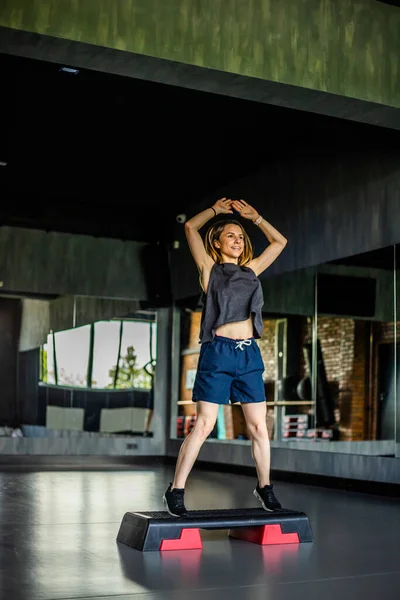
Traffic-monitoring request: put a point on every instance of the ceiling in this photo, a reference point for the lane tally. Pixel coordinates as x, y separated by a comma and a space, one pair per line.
106, 155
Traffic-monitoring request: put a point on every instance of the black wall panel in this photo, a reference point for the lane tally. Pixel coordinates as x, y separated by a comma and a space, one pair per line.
328, 205
10, 324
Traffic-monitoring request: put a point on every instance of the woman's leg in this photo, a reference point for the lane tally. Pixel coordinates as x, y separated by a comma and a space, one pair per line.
206, 417
256, 419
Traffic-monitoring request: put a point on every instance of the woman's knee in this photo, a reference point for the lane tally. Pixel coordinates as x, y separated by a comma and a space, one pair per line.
204, 426
258, 430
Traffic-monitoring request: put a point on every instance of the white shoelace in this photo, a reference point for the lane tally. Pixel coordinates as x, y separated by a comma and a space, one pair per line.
242, 343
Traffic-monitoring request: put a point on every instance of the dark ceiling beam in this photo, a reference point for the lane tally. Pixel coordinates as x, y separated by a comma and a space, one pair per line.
98, 58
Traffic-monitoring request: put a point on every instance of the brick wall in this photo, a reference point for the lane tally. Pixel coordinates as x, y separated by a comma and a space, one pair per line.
337, 339
351, 363
384, 333
359, 383
337, 343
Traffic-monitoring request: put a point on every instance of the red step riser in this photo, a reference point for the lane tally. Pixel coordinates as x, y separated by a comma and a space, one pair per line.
265, 535
189, 540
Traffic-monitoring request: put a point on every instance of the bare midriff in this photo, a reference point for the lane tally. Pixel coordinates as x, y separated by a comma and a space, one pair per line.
239, 330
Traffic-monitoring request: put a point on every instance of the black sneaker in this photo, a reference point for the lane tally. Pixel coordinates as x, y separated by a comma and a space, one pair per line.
267, 497
174, 503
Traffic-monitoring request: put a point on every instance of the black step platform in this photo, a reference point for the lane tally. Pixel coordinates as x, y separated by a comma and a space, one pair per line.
151, 531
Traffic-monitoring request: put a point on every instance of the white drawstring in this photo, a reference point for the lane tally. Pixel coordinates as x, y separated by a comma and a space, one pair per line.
239, 344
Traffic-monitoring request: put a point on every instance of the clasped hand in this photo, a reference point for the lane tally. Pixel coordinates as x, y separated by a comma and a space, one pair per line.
225, 206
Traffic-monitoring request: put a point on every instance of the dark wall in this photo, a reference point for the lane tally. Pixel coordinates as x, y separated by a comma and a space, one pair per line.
28, 389
34, 261
74, 311
37, 261
10, 323
329, 203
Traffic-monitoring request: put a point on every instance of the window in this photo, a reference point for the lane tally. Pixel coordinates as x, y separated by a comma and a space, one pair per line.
136, 353
111, 354
105, 352
72, 356
47, 372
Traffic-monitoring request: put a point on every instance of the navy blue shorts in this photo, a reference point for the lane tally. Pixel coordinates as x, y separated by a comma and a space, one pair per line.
229, 371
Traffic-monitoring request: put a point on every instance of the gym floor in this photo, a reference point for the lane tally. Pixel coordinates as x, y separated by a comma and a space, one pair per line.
59, 528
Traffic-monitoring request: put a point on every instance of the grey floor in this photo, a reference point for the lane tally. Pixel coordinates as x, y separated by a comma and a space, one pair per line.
58, 540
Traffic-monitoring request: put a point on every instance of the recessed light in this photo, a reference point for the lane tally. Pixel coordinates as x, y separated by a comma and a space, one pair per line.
69, 70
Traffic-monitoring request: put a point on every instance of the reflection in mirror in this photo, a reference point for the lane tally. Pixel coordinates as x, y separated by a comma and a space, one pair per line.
397, 348
95, 377
286, 347
355, 398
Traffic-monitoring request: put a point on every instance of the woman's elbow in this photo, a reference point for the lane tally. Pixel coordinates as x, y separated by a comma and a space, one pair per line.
282, 242
188, 226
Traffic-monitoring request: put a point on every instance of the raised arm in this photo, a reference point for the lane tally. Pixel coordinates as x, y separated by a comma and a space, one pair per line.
195, 241
276, 239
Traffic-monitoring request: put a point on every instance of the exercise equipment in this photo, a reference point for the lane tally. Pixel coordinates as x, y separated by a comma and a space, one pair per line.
159, 531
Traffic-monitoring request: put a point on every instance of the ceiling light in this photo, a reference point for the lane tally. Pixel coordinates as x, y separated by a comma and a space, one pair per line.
69, 70
3, 163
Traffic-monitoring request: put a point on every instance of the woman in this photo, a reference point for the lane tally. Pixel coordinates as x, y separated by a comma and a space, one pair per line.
230, 365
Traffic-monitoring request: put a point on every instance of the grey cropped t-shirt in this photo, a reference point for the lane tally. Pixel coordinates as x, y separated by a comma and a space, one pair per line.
234, 294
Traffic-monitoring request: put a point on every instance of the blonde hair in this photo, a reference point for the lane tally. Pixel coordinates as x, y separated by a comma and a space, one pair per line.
213, 234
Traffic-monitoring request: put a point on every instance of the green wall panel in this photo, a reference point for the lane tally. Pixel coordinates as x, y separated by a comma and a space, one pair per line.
33, 260
345, 47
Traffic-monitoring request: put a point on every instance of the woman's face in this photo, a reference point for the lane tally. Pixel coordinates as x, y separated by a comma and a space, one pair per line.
231, 243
